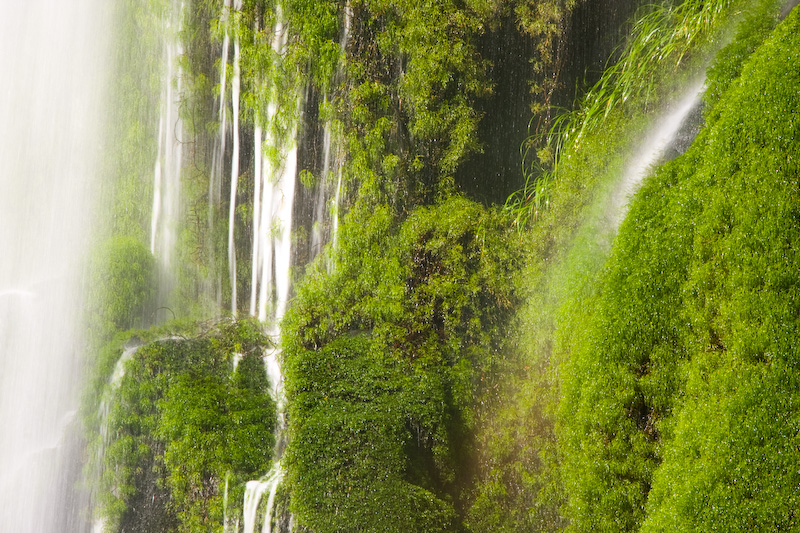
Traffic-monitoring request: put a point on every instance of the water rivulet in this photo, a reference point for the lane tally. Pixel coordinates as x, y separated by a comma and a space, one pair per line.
323, 266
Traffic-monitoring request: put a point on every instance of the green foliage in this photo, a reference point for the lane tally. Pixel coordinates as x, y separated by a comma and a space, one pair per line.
679, 408
133, 118
385, 359
180, 422
351, 445
201, 239
743, 310
123, 280
639, 398
620, 385
521, 487
663, 37
758, 22
544, 21
574, 439
661, 41
414, 75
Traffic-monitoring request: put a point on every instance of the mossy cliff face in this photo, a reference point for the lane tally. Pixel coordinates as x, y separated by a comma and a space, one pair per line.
387, 359
445, 371
680, 410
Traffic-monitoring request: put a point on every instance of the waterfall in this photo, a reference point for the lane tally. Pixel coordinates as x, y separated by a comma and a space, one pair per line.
235, 90
104, 410
337, 199
332, 163
652, 149
220, 142
325, 214
168, 165
254, 492
317, 234
53, 59
591, 242
258, 139
273, 204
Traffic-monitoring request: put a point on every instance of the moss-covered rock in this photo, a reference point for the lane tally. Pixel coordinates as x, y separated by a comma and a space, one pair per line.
386, 359
183, 424
679, 409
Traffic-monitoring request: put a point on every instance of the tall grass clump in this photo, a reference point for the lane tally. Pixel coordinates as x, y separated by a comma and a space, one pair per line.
663, 38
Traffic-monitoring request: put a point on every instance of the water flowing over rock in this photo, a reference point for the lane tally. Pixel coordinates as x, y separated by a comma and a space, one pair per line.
166, 212
260, 269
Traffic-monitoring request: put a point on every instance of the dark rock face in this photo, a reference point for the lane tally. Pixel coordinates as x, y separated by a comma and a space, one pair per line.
594, 30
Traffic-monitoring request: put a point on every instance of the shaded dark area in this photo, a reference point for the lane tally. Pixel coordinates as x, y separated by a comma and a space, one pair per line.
689, 129
147, 508
309, 203
491, 176
595, 29
788, 7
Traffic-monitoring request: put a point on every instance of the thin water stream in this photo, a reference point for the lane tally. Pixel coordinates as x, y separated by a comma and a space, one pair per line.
165, 217
653, 148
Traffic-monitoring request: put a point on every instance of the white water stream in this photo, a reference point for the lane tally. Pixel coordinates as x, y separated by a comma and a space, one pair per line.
53, 60
651, 149
165, 216
273, 204
235, 95
218, 154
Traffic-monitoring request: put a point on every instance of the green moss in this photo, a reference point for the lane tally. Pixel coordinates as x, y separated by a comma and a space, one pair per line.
122, 274
385, 361
677, 408
180, 423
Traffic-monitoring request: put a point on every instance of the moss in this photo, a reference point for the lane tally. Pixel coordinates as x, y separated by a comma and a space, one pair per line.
122, 289
385, 360
680, 394
181, 422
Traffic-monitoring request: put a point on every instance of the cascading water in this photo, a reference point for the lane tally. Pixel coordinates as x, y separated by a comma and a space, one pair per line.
273, 203
167, 171
337, 199
272, 257
652, 149
273, 207
220, 143
53, 59
328, 191
235, 94
591, 244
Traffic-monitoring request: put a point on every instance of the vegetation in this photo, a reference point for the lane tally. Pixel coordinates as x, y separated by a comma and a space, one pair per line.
445, 371
556, 454
417, 76
673, 418
387, 359
183, 427
664, 37
122, 291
